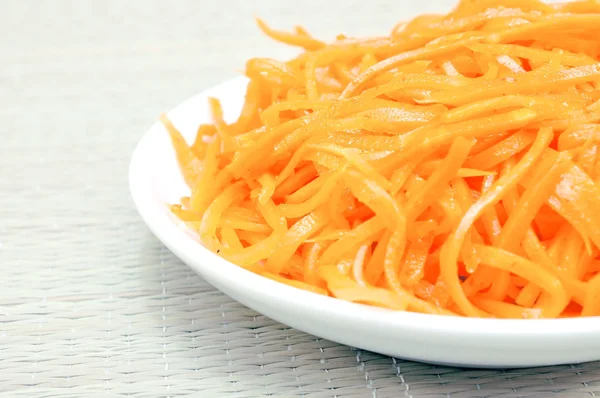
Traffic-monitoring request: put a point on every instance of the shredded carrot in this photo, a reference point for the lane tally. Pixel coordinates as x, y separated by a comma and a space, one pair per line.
450, 168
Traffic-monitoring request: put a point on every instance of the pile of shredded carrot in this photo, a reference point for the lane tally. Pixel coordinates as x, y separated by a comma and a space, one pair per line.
452, 167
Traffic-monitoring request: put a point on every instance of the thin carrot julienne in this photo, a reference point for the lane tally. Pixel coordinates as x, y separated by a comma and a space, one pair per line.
450, 168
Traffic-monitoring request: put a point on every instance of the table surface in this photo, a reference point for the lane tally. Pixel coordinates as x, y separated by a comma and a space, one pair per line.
91, 303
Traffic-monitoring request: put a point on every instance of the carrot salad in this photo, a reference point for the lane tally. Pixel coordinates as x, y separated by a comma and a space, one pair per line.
452, 167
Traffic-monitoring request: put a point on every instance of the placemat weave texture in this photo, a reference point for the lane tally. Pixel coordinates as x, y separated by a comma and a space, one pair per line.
91, 304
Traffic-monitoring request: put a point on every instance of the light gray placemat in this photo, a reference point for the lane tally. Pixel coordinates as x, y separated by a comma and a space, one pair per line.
91, 304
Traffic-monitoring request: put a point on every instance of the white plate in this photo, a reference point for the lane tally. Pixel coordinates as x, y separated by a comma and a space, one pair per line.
155, 180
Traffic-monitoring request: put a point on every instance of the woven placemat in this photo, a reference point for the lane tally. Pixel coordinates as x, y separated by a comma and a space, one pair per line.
91, 304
